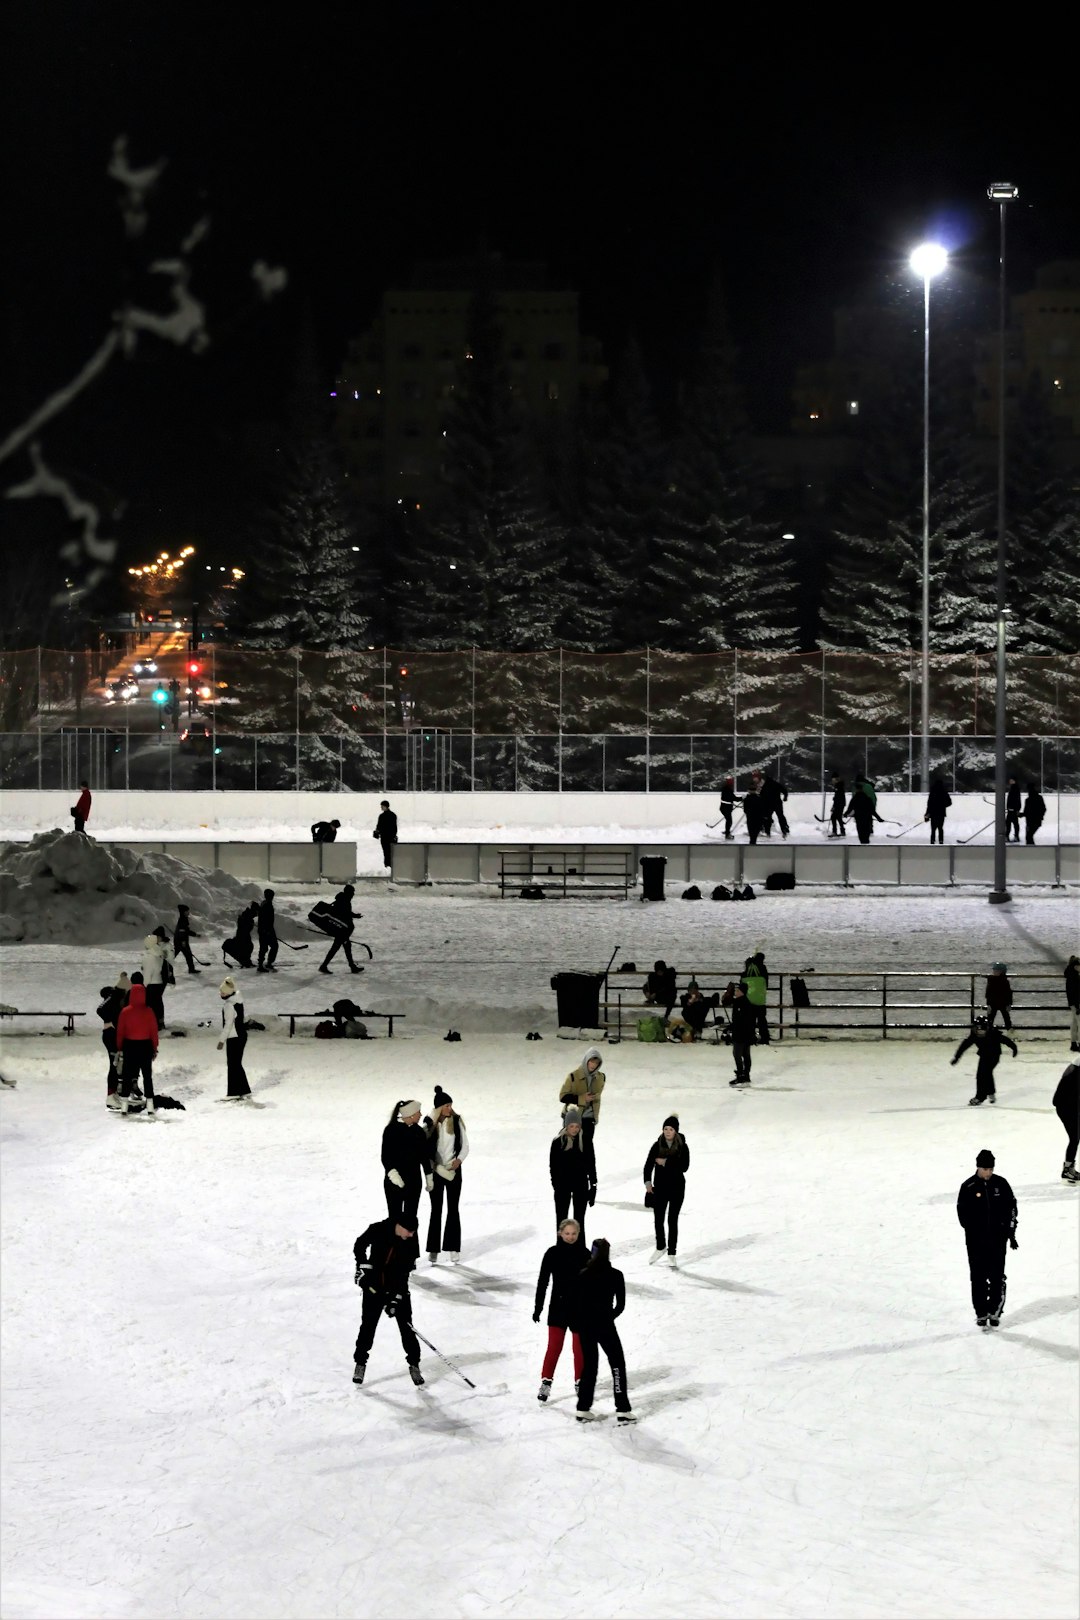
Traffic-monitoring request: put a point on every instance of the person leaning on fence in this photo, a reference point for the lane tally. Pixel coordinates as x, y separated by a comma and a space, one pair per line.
1072, 998
324, 832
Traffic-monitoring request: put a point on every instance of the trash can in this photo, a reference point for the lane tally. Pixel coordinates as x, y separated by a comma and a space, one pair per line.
652, 876
578, 998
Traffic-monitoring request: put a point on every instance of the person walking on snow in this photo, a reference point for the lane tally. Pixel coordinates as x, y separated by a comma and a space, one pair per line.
406, 1159
183, 934
268, 940
448, 1145
157, 971
560, 1266
1034, 813
836, 812
743, 1016
728, 800
234, 1040
938, 801
1067, 1107
80, 810
385, 1256
582, 1090
1014, 798
986, 1209
572, 1166
339, 922
999, 995
386, 830
1072, 1000
136, 1049
987, 1043
598, 1299
666, 1164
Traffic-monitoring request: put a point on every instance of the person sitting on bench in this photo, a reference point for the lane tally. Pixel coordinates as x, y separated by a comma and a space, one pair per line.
695, 1010
659, 988
324, 832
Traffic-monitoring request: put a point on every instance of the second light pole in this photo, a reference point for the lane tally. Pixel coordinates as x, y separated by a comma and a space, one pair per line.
927, 261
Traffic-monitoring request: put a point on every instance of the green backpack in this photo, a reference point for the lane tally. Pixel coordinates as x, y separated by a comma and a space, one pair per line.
651, 1029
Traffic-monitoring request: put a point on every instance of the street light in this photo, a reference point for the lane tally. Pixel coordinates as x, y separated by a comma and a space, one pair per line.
928, 260
1001, 192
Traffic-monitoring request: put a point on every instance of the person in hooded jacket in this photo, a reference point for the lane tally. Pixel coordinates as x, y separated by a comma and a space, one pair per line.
448, 1146
938, 801
156, 969
987, 1042
268, 940
136, 1048
324, 832
406, 1160
986, 1209
666, 1164
572, 1165
1034, 813
582, 1090
385, 1256
560, 1266
772, 794
1072, 1000
862, 809
183, 934
113, 1000
743, 1019
598, 1298
755, 976
234, 1040
1014, 798
836, 810
80, 810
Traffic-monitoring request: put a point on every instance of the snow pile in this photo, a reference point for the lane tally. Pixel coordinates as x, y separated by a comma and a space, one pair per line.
64, 886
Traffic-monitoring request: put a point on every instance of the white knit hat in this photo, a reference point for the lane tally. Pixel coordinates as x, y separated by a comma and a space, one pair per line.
408, 1109
227, 987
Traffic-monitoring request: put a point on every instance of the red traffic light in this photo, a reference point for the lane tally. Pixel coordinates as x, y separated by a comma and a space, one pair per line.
194, 668
403, 670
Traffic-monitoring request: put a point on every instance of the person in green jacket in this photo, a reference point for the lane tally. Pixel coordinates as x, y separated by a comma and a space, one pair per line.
755, 976
863, 808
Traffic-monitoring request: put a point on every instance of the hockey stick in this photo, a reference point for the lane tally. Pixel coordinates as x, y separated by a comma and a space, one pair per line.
907, 829
294, 947
976, 833
441, 1357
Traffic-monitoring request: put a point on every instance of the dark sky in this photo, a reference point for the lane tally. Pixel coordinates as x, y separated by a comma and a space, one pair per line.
631, 148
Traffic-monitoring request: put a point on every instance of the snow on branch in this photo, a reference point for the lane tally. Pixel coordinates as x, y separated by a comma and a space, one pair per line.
89, 544
186, 324
137, 184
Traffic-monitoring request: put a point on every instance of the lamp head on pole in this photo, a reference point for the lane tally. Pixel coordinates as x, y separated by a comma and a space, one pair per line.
1002, 191
928, 259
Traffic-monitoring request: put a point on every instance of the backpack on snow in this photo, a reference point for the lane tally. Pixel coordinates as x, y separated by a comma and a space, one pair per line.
721, 892
651, 1029
800, 995
780, 880
692, 893
748, 894
328, 1031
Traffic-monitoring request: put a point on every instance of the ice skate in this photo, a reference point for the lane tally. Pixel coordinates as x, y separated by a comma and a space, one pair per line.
415, 1374
150, 1111
453, 1255
657, 1254
359, 1369
626, 1417
981, 1321
432, 1258
545, 1389
992, 1097
1069, 1171
324, 969
673, 1264
586, 1417
975, 1102
995, 1320
114, 1103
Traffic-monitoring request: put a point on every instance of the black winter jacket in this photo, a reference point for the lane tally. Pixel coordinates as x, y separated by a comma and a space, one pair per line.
599, 1297
267, 925
672, 1173
386, 826
743, 1020
1067, 1095
572, 1167
561, 1266
391, 1258
986, 1209
988, 1044
406, 1149
938, 801
1072, 986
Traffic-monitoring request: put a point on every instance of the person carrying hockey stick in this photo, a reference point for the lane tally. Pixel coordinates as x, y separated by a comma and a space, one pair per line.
338, 923
385, 1255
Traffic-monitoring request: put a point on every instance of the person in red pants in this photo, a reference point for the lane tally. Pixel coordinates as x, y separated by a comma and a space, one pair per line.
560, 1266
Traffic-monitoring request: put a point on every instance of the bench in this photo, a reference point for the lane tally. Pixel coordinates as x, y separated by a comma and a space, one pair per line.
70, 1017
327, 1013
561, 872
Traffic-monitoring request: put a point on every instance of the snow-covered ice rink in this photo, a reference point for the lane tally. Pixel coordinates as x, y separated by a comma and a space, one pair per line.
823, 1430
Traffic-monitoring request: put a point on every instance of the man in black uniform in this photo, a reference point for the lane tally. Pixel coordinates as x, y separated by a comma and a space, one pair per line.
183, 934
339, 924
268, 940
986, 1209
836, 813
1014, 798
324, 832
938, 800
988, 1042
772, 796
743, 1017
386, 830
385, 1255
728, 800
1034, 813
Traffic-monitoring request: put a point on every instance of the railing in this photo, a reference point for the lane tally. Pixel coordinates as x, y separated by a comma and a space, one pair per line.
952, 998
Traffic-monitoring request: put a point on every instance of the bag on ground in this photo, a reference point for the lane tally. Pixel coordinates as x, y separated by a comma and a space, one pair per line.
800, 995
651, 1029
780, 880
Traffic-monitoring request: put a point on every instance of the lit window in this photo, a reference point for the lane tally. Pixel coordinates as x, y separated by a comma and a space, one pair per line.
1058, 384
815, 415
853, 407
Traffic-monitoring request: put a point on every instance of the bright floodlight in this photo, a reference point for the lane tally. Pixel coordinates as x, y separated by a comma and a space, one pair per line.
929, 260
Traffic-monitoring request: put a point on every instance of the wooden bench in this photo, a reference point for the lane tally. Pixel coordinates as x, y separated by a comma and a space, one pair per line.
293, 1016
561, 873
70, 1017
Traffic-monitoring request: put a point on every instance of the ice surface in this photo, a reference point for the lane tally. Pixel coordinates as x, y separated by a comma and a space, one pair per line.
823, 1430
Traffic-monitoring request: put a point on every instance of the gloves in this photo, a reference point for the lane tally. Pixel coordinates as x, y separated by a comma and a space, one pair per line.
429, 1182
444, 1171
592, 1196
395, 1177
536, 1316
361, 1273
1013, 1243
392, 1304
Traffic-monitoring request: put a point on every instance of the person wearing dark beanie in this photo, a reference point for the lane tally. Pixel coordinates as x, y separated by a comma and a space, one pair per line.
666, 1164
448, 1145
986, 1209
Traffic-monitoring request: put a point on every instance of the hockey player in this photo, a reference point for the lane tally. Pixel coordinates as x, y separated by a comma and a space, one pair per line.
448, 1145
599, 1297
183, 934
338, 922
728, 800
987, 1043
386, 830
1034, 813
268, 940
572, 1165
1014, 799
986, 1209
863, 808
385, 1255
772, 794
836, 811
666, 1164
406, 1159
561, 1267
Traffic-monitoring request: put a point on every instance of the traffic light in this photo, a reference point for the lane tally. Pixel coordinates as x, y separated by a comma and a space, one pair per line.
403, 671
194, 667
160, 695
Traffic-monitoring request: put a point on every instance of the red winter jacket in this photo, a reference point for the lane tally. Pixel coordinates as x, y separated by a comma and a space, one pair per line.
82, 804
137, 1021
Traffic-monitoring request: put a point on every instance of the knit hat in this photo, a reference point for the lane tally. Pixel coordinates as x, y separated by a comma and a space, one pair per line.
985, 1159
227, 987
442, 1097
408, 1109
673, 1121
572, 1117
123, 982
999, 967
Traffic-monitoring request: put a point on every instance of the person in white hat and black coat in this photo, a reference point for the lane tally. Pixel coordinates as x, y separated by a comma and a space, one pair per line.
234, 1040
385, 1255
986, 1209
406, 1159
572, 1164
448, 1145
666, 1164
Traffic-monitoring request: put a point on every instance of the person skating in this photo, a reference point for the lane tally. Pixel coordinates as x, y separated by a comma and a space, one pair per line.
385, 1256
157, 971
80, 810
572, 1165
339, 922
666, 1164
386, 831
561, 1266
268, 940
773, 794
986, 1209
1014, 798
234, 1040
756, 978
183, 934
1034, 813
113, 998
728, 800
1072, 1000
836, 812
999, 995
448, 1145
599, 1297
406, 1161
324, 832
938, 801
743, 1018
754, 812
1067, 1107
987, 1043
136, 1048
863, 808
582, 1090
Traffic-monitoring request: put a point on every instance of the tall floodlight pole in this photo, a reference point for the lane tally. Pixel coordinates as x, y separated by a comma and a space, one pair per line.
927, 261
1002, 192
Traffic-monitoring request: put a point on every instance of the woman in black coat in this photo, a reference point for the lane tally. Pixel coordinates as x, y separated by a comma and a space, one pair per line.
1072, 998
599, 1297
560, 1266
572, 1164
406, 1159
666, 1164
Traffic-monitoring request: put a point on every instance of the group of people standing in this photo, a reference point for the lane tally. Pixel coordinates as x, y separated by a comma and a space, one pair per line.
256, 920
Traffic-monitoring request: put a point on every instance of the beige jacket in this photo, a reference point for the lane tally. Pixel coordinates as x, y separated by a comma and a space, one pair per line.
578, 1082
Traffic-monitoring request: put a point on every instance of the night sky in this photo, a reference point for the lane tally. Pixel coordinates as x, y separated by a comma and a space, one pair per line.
633, 149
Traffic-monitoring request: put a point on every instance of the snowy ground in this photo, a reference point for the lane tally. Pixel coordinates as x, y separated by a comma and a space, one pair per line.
823, 1430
